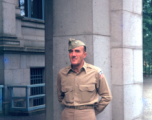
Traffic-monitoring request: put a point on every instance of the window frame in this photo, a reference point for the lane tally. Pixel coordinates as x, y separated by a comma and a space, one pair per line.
29, 10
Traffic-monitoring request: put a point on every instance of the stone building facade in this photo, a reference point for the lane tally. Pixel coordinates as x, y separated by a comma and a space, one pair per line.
21, 48
112, 31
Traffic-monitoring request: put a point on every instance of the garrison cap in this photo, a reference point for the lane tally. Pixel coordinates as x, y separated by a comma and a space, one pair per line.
75, 43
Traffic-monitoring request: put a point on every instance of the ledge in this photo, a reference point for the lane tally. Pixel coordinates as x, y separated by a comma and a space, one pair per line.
33, 27
26, 19
9, 42
33, 20
11, 48
7, 37
19, 16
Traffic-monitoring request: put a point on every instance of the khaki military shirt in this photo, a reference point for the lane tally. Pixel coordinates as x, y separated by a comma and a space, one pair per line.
83, 88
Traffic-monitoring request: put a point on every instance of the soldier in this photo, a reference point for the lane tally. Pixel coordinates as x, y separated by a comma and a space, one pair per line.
79, 86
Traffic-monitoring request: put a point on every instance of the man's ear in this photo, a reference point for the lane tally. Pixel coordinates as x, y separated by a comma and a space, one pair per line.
85, 54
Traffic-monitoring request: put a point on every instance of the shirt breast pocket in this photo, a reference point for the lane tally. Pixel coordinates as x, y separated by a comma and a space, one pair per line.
68, 91
87, 92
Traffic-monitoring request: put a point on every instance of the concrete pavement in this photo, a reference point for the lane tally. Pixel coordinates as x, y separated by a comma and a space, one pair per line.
32, 117
147, 98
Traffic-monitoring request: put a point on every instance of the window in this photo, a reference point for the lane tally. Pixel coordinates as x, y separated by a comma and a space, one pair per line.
32, 8
37, 78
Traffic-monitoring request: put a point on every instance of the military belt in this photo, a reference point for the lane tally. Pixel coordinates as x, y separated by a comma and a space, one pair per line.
81, 107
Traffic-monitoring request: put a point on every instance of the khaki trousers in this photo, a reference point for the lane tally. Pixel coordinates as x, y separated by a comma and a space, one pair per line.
74, 114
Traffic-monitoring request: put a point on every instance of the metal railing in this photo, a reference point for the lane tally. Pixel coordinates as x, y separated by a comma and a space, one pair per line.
1, 87
27, 97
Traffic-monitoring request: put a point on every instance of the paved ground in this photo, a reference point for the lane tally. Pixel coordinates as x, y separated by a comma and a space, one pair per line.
147, 98
33, 117
147, 105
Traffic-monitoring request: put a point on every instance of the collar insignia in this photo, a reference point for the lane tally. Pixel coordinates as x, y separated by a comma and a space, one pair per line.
100, 72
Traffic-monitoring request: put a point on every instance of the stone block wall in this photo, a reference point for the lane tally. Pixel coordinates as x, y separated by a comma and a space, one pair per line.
78, 20
126, 59
112, 31
20, 40
21, 48
17, 71
7, 18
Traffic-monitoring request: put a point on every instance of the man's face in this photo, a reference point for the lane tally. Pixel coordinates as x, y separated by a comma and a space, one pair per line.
77, 55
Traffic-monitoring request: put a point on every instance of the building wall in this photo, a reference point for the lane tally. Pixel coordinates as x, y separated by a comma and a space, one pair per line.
81, 20
21, 48
126, 59
112, 31
17, 70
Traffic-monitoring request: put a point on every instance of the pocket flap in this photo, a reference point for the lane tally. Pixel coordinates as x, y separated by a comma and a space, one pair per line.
87, 87
67, 88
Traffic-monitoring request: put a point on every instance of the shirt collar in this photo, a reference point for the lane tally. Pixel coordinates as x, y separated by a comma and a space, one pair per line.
85, 66
70, 68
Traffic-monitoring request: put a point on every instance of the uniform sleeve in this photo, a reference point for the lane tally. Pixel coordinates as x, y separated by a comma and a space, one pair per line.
59, 92
104, 91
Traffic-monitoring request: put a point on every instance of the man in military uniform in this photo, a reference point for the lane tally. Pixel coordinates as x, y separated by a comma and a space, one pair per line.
79, 86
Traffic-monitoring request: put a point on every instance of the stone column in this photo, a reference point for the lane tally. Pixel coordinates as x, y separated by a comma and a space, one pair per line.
87, 20
126, 57
49, 59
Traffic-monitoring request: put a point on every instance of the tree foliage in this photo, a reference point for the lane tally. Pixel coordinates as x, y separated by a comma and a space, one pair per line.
147, 36
147, 25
